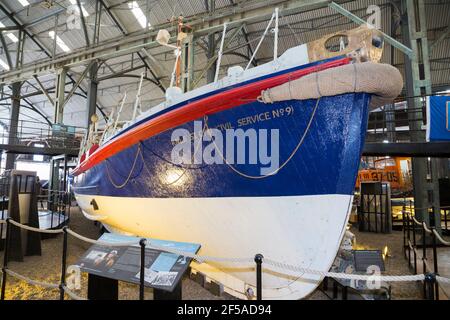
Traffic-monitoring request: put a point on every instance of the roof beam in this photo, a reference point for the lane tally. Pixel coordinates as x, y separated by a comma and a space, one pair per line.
83, 23
203, 24
125, 32
43, 18
360, 21
10, 15
41, 86
6, 50
444, 35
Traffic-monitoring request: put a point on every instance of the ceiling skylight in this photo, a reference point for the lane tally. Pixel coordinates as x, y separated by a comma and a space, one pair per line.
59, 41
85, 13
4, 65
10, 35
138, 13
24, 3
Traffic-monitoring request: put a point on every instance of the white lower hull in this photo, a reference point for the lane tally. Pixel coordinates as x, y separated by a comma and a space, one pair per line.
298, 230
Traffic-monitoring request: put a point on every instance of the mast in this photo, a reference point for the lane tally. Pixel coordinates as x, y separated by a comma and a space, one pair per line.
179, 43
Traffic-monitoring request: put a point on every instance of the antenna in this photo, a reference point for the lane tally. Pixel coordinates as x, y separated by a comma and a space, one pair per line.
138, 96
275, 45
120, 111
219, 56
260, 41
163, 37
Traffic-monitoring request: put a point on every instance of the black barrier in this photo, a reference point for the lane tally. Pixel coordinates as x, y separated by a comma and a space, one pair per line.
435, 262
258, 260
5, 258
142, 243
3, 204
414, 246
63, 265
430, 285
424, 256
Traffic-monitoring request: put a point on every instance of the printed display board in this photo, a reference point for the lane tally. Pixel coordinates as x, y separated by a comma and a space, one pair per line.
438, 115
163, 270
365, 258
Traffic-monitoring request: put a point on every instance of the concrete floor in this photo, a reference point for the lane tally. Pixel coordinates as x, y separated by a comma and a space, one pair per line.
47, 267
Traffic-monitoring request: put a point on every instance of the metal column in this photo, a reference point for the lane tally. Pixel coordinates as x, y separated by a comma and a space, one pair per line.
92, 93
187, 63
211, 72
13, 123
59, 95
418, 83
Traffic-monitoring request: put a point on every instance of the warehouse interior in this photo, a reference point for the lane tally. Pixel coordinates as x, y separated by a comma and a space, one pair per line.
70, 69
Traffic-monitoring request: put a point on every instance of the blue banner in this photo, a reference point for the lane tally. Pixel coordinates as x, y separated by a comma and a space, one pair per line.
438, 114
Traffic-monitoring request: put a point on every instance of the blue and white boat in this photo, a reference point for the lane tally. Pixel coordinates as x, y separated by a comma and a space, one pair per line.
295, 212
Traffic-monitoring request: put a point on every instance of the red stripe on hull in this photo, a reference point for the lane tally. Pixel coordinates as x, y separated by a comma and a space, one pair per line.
195, 110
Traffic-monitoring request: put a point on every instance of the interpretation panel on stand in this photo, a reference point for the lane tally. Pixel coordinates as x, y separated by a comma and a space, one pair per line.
163, 270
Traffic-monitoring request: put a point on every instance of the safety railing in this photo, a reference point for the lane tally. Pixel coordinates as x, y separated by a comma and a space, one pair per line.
258, 261
412, 229
36, 134
390, 124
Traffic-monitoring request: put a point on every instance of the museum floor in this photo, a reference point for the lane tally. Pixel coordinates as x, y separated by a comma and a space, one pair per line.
46, 267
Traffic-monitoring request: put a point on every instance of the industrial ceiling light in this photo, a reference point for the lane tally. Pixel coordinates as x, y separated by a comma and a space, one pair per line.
10, 35
24, 3
139, 14
4, 65
85, 13
59, 41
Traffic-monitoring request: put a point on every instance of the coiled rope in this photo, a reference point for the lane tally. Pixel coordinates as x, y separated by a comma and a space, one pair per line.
283, 164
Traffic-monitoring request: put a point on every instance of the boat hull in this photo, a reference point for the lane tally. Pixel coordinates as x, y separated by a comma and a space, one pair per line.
297, 215
306, 231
